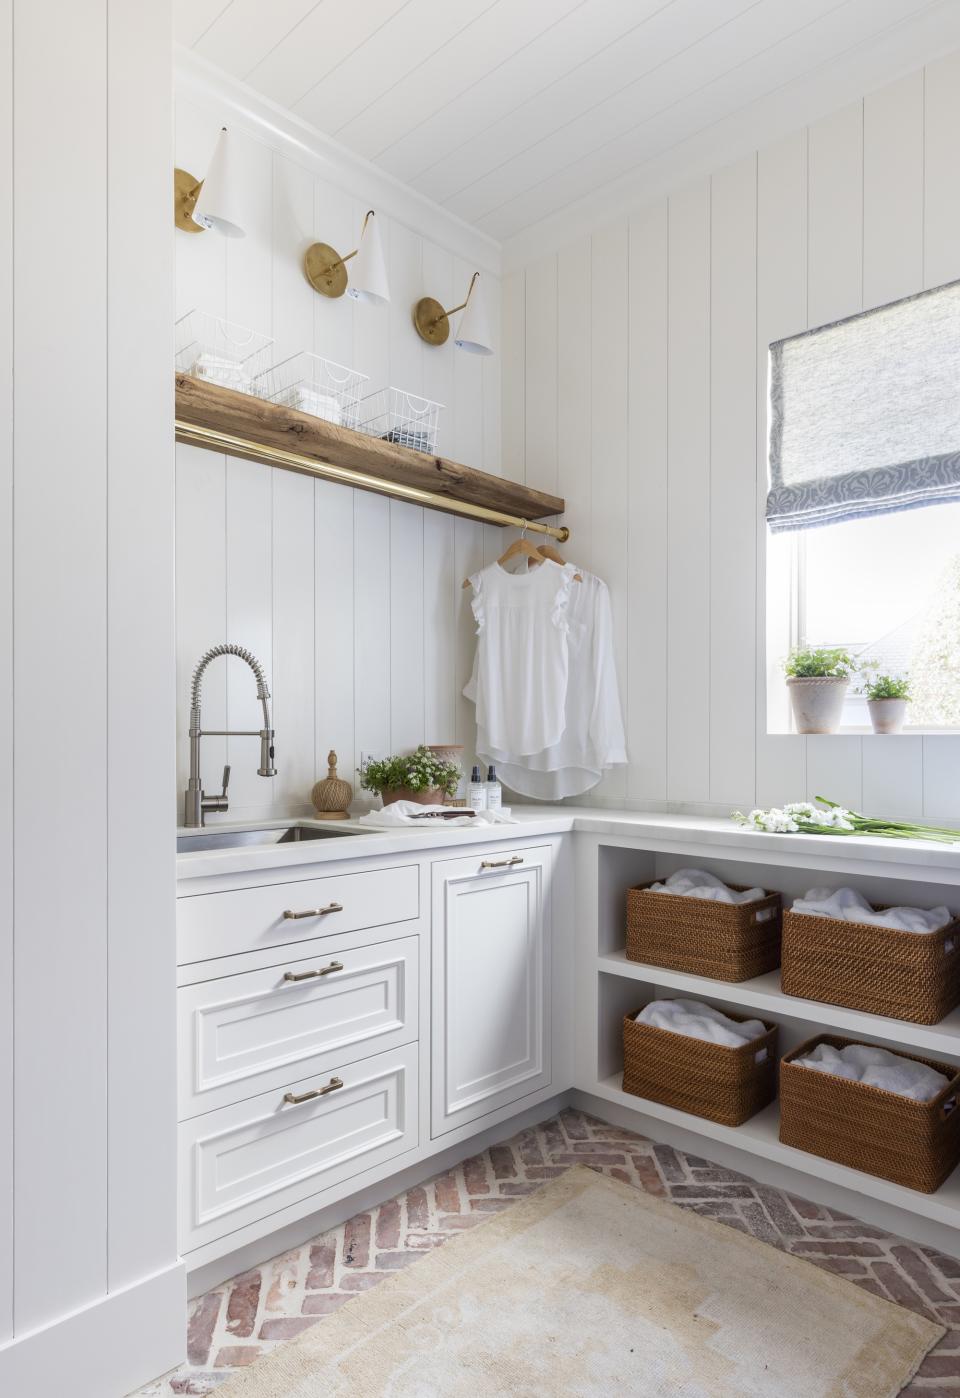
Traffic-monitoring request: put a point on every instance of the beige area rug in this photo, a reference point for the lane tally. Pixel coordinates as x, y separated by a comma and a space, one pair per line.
590, 1287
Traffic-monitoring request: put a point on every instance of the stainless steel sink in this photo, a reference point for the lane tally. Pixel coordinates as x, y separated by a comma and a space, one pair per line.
278, 835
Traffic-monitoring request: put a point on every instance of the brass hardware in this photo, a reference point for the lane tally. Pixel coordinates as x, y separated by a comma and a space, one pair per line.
310, 975
325, 269
293, 461
295, 1100
432, 322
315, 912
186, 192
500, 863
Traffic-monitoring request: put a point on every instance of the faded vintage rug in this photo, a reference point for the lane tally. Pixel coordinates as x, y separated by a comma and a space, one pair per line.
590, 1287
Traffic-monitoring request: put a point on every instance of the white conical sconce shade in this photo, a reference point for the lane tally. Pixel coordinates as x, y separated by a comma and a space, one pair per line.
218, 205
368, 279
473, 332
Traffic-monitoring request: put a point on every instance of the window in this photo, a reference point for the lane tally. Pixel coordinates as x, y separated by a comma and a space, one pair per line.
864, 504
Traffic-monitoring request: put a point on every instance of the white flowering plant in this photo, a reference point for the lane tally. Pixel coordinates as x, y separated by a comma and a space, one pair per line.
829, 818
420, 770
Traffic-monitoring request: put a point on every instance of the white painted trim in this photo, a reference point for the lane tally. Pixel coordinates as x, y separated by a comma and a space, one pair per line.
108, 1348
266, 120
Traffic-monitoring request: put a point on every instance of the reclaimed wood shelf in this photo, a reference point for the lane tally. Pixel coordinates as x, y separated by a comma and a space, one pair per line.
220, 419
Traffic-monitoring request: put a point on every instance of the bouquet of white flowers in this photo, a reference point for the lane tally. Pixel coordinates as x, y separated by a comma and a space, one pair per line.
829, 818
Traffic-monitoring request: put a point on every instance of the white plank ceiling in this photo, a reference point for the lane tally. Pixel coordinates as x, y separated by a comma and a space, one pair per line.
507, 111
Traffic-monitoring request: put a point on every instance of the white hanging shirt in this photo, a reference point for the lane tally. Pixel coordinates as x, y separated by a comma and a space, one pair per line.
520, 683
593, 738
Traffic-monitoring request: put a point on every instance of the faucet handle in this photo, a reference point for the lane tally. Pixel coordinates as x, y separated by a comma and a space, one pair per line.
226, 779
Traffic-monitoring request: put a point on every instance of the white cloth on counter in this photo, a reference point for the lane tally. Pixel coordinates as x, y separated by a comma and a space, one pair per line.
877, 1068
413, 813
851, 906
698, 883
592, 738
699, 1021
522, 655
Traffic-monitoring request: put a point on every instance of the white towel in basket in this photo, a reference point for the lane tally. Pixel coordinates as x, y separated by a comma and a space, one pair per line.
698, 883
699, 1021
877, 1068
851, 906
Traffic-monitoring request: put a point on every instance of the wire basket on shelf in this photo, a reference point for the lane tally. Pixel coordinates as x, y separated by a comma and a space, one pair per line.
402, 418
218, 351
314, 385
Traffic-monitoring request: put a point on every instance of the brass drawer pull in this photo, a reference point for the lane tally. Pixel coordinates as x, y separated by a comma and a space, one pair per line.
315, 912
500, 863
294, 1099
309, 975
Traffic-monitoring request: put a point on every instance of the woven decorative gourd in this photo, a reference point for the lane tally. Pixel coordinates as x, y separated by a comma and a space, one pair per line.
724, 1084
333, 795
882, 970
916, 1144
726, 941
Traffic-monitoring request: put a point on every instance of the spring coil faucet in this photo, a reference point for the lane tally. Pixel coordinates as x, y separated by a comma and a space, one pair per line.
195, 803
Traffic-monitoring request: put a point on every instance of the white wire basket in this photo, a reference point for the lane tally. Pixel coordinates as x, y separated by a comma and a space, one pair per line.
401, 417
218, 351
314, 385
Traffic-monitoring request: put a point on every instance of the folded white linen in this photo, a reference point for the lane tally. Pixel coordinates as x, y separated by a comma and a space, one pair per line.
877, 1068
412, 813
851, 906
698, 883
699, 1021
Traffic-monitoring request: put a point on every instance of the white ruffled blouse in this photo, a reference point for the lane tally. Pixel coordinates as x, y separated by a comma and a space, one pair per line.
522, 655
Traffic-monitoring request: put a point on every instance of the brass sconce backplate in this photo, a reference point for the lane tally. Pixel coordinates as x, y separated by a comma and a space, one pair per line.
186, 190
325, 269
431, 321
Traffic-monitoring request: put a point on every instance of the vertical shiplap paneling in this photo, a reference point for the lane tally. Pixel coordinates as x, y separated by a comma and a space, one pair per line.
141, 1085
941, 263
333, 581
490, 382
291, 312
781, 311
574, 415
512, 361
371, 657
201, 258
463, 436
336, 221
468, 540
294, 664
6, 668
646, 710
688, 522
835, 273
248, 525
733, 438
60, 648
610, 440
540, 375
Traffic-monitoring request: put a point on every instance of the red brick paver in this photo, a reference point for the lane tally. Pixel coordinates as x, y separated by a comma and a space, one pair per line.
251, 1314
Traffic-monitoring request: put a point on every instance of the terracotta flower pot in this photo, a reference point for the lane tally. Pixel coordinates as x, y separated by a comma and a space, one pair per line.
817, 702
433, 796
887, 715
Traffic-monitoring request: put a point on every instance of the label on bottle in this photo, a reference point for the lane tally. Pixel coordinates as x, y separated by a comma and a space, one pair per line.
494, 795
477, 797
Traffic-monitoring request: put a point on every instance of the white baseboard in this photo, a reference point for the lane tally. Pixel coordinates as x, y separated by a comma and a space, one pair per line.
104, 1350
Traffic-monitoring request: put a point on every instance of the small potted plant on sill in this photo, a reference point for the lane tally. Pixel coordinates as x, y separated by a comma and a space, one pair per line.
419, 776
817, 680
887, 698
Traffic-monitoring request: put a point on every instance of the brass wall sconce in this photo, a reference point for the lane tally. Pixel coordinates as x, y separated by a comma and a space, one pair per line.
432, 322
326, 270
211, 202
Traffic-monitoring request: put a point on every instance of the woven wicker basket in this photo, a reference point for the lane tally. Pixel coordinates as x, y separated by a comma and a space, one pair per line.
728, 1085
882, 970
916, 1144
726, 941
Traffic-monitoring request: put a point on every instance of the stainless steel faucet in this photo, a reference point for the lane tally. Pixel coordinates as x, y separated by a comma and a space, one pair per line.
195, 802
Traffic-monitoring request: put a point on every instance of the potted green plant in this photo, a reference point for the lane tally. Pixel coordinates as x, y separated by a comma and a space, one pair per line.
887, 698
817, 680
419, 776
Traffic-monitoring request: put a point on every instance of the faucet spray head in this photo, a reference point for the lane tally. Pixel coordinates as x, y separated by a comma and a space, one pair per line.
266, 768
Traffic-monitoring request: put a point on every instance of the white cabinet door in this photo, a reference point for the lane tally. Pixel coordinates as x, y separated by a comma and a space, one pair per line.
491, 983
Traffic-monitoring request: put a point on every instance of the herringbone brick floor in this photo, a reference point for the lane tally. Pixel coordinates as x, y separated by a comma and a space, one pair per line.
249, 1315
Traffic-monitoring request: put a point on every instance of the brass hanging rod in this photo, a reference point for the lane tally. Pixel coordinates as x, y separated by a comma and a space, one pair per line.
214, 440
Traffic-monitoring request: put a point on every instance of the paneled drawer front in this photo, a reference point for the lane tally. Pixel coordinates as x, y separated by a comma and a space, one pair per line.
249, 919
246, 1161
244, 1034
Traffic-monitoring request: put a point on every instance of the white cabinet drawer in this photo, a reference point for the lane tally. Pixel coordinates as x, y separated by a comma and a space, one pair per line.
252, 1032
246, 1161
249, 919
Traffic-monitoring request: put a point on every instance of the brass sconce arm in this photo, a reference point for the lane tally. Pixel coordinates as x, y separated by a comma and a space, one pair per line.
432, 322
325, 269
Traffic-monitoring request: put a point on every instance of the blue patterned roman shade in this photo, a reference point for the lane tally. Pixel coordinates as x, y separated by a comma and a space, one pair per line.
865, 414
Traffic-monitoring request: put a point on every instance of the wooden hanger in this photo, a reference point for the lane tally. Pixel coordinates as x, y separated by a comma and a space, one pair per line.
548, 551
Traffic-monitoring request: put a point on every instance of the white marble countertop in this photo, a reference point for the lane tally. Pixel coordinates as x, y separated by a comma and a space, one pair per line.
908, 858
